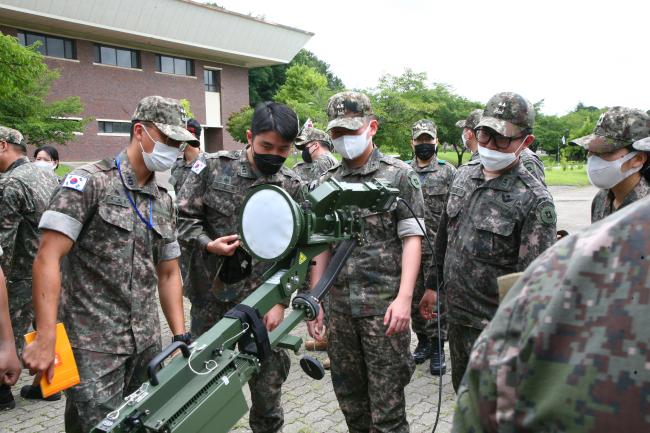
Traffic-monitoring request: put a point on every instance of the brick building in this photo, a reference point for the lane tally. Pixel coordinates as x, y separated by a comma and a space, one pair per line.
111, 53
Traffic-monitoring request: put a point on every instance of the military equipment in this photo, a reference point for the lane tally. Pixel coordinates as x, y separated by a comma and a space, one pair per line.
201, 391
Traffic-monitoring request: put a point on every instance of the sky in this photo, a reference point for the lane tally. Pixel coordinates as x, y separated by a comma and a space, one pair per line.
563, 52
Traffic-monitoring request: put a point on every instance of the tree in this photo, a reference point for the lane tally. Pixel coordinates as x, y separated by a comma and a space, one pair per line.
239, 123
25, 82
306, 91
186, 106
264, 83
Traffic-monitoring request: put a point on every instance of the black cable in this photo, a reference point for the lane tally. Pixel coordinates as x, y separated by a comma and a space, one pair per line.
435, 265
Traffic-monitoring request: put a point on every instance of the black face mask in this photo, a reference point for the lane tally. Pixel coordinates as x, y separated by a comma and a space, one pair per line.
268, 164
306, 156
425, 151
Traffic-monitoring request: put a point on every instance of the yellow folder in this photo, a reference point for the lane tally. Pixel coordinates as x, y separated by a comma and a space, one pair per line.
66, 374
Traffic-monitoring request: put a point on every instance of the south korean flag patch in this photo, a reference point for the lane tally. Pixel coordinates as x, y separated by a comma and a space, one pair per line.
74, 181
198, 166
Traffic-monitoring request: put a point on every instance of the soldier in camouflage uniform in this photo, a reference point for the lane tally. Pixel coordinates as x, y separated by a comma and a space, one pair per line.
369, 336
499, 218
436, 176
615, 163
317, 158
9, 363
116, 227
192, 159
25, 191
209, 203
530, 160
567, 350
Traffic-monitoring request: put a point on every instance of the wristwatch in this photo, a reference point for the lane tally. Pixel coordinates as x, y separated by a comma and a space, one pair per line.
185, 338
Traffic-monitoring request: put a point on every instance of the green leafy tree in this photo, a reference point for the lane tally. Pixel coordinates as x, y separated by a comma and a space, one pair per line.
186, 106
239, 123
307, 92
25, 82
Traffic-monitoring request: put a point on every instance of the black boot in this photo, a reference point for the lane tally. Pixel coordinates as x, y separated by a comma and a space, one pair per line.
437, 366
422, 350
6, 398
33, 392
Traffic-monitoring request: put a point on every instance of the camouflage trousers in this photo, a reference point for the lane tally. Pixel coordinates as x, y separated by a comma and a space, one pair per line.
21, 310
266, 414
461, 340
105, 380
420, 325
369, 372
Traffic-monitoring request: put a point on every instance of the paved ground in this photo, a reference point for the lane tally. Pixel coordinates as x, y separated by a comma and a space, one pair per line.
310, 406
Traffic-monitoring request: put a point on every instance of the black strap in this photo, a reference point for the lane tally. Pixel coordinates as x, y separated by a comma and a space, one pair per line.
259, 345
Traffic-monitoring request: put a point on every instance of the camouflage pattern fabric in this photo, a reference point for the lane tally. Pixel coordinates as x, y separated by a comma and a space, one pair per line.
491, 228
370, 278
168, 115
209, 203
312, 171
533, 163
509, 114
436, 179
310, 134
266, 415
11, 136
602, 205
618, 127
109, 277
424, 126
25, 191
105, 380
461, 340
179, 173
472, 119
348, 110
568, 348
370, 387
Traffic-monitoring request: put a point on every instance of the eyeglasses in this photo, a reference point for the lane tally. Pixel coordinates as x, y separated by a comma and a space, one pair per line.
484, 136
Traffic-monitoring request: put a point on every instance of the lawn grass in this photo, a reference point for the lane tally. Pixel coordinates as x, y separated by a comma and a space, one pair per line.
559, 175
62, 170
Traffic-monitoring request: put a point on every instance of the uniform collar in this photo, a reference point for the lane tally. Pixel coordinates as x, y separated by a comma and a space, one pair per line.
370, 166
432, 166
505, 182
131, 182
642, 189
17, 163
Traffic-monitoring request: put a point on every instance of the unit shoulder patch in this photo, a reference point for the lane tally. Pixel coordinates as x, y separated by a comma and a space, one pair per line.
545, 213
414, 179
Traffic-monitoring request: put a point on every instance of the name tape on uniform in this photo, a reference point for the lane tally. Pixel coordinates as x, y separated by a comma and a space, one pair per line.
74, 181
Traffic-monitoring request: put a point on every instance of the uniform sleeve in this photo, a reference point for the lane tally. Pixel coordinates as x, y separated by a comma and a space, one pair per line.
70, 208
408, 183
13, 203
191, 209
171, 249
435, 276
538, 232
535, 166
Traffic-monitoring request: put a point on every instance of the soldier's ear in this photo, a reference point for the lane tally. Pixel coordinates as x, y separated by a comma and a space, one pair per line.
249, 137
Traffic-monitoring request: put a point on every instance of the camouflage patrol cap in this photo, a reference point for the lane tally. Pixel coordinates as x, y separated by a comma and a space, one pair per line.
11, 136
616, 128
424, 126
472, 120
168, 115
348, 110
509, 114
312, 134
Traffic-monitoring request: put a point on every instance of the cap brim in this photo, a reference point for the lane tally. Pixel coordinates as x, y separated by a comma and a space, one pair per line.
351, 123
178, 133
598, 143
417, 134
461, 123
502, 127
643, 144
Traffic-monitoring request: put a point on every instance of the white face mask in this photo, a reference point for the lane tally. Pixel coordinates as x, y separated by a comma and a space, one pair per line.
163, 156
352, 146
493, 160
45, 165
607, 174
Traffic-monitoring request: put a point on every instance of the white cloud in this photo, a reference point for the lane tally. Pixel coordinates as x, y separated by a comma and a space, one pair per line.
564, 52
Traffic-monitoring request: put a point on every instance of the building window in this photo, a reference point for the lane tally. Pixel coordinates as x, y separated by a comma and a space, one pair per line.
174, 65
122, 57
50, 45
112, 127
212, 80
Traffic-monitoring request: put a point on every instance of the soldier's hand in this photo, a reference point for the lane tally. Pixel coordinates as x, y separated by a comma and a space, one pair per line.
224, 246
315, 327
398, 315
9, 364
38, 357
427, 304
274, 317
